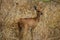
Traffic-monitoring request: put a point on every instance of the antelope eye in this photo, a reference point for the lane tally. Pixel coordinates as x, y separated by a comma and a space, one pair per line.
16, 3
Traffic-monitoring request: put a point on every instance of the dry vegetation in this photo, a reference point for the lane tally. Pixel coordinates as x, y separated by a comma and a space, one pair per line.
14, 11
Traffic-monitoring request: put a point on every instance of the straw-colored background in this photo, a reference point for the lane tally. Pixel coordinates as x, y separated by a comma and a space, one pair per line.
12, 10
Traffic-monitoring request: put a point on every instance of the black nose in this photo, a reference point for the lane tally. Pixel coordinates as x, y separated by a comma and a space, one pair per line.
41, 13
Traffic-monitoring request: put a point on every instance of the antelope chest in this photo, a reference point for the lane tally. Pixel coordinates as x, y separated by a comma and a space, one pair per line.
29, 22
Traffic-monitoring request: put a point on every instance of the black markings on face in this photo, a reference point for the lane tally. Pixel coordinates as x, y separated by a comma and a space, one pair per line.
38, 11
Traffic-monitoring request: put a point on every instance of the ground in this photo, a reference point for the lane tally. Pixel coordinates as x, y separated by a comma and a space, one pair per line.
48, 27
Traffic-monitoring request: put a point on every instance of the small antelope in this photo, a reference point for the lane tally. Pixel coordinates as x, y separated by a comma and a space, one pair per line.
26, 23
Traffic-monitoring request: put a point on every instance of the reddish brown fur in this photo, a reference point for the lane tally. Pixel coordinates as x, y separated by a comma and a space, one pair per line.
28, 23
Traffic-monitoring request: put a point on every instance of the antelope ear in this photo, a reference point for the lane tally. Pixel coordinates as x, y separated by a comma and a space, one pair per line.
35, 7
